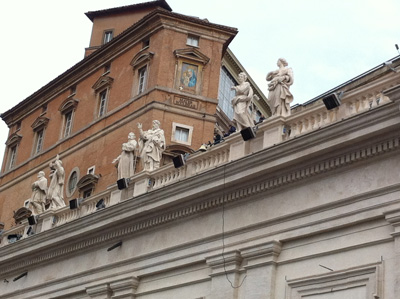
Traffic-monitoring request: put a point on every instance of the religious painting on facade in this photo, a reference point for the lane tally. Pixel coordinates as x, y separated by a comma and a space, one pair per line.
189, 75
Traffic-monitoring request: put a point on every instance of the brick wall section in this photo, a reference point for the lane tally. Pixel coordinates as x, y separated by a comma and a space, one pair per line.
96, 142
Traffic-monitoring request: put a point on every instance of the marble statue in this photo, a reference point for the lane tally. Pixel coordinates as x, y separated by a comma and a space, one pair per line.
55, 194
279, 96
151, 146
39, 192
241, 103
126, 160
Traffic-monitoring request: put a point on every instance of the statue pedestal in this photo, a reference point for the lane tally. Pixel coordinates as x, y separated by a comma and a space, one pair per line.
274, 131
46, 219
141, 183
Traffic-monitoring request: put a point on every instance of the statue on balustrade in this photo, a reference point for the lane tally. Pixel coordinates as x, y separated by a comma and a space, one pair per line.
55, 194
39, 193
127, 159
279, 96
241, 103
151, 146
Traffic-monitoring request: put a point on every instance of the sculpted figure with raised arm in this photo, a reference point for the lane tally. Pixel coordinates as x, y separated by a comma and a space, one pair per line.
279, 96
151, 146
55, 194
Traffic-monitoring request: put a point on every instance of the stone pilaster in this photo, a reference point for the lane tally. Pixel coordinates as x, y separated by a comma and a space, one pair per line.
260, 268
393, 217
141, 183
394, 94
274, 131
223, 267
47, 219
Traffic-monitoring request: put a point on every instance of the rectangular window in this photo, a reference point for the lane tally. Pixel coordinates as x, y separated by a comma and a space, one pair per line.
181, 134
39, 141
102, 103
225, 93
142, 79
67, 124
192, 41
146, 43
107, 68
108, 35
13, 156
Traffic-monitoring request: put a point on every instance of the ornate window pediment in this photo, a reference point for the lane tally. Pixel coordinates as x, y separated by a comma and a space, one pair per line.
87, 184
68, 105
40, 123
141, 58
102, 83
13, 139
192, 54
87, 180
21, 214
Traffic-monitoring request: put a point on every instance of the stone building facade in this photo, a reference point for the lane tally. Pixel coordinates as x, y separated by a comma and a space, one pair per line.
309, 208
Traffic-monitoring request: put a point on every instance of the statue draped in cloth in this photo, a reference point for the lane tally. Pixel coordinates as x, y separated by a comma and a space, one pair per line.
151, 146
39, 192
126, 160
241, 103
56, 189
279, 96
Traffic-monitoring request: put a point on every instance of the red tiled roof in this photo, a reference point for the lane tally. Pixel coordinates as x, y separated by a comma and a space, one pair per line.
160, 3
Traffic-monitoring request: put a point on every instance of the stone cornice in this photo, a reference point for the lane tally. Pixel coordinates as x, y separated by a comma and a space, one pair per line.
185, 199
157, 213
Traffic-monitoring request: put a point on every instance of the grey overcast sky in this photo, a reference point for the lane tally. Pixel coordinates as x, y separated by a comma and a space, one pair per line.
326, 42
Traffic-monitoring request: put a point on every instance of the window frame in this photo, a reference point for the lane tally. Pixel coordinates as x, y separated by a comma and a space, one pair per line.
68, 191
108, 35
67, 124
142, 79
39, 140
193, 40
141, 61
225, 93
68, 107
102, 87
182, 126
39, 128
12, 144
12, 157
102, 103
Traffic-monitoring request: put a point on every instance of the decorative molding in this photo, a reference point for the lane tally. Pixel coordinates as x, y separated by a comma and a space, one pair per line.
192, 54
21, 214
40, 123
87, 180
102, 83
13, 139
68, 105
366, 276
216, 202
141, 58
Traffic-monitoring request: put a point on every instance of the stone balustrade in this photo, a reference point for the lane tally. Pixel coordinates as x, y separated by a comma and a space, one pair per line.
304, 119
